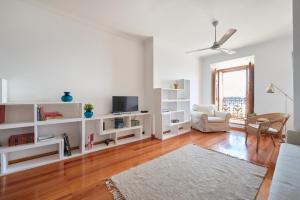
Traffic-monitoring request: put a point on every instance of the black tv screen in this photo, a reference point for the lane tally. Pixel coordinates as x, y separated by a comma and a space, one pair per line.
124, 104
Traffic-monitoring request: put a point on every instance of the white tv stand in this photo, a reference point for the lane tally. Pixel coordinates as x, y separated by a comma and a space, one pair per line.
22, 118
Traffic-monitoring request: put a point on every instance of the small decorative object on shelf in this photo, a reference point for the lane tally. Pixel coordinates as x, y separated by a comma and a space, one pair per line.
175, 85
119, 123
135, 122
88, 110
90, 143
2, 114
175, 120
107, 141
45, 138
67, 97
67, 147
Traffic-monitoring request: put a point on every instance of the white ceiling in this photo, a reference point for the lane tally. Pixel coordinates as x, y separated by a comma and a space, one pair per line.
185, 23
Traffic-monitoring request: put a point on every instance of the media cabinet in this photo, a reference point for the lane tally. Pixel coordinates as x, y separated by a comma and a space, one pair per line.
22, 118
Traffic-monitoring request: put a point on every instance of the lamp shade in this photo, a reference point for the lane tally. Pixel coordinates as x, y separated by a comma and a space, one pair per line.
270, 88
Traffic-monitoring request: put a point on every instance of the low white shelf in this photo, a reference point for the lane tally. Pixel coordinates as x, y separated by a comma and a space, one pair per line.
4, 151
22, 118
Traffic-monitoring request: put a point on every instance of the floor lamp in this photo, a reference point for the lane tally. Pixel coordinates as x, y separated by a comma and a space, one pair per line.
271, 89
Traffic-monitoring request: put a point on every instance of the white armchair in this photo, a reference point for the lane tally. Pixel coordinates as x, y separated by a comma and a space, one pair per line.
206, 118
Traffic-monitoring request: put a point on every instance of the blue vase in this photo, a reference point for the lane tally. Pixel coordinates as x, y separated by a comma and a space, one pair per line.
67, 97
88, 114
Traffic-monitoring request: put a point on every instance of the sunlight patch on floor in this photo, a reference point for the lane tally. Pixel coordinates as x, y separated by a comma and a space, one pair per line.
234, 146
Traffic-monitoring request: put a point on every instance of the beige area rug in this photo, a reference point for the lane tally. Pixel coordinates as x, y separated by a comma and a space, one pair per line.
188, 173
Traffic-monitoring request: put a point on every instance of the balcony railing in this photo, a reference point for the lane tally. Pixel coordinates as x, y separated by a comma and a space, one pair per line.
237, 106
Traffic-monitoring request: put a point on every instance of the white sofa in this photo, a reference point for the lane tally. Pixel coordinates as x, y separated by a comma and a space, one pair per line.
206, 118
286, 178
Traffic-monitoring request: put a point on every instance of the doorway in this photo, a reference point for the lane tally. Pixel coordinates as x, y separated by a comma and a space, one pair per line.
234, 91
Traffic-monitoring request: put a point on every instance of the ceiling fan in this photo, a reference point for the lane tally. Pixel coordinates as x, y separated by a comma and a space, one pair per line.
217, 45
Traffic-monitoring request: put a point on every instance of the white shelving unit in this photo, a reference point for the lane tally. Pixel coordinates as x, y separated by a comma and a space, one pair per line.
22, 118
172, 104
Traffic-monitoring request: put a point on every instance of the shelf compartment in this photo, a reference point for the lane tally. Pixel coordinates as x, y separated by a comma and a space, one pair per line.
75, 153
169, 106
7, 151
29, 146
169, 135
130, 135
169, 94
68, 110
179, 123
177, 116
172, 131
171, 112
5, 134
110, 131
32, 163
93, 126
184, 127
18, 114
100, 146
128, 140
73, 130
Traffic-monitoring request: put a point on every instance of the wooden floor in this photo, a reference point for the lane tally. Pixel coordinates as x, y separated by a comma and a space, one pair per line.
83, 177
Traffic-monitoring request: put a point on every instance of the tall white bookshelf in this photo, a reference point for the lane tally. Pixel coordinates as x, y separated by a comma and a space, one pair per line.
22, 118
172, 110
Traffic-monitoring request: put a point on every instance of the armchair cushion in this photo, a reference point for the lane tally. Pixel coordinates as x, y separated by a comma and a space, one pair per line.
206, 109
224, 115
216, 120
199, 115
269, 130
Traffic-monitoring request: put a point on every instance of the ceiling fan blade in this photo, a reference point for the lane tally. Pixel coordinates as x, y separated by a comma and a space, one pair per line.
228, 51
226, 36
197, 50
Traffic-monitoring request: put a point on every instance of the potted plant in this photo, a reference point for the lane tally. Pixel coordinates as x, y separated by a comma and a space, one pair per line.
88, 110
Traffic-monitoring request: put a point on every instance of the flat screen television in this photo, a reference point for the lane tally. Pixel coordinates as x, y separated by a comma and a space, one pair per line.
124, 104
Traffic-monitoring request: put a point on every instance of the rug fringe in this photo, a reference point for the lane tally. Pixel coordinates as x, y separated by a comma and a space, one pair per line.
117, 195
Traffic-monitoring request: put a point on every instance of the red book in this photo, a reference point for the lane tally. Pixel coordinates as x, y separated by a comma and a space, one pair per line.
42, 113
2, 114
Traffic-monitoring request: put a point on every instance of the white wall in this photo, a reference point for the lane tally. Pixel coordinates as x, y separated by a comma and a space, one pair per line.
296, 55
273, 63
148, 90
171, 63
43, 54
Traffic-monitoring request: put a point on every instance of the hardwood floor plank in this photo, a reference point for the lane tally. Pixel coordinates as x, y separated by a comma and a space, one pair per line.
84, 177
